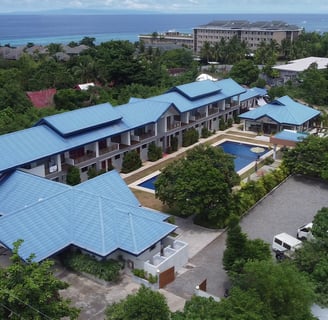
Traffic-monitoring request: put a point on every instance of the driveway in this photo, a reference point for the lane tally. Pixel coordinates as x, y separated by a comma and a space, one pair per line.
289, 206
294, 203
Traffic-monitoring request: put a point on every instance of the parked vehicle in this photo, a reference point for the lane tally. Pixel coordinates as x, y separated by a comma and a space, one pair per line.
284, 245
305, 232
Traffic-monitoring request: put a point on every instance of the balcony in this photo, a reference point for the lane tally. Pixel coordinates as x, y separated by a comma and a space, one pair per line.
112, 147
143, 136
200, 115
213, 111
89, 155
174, 125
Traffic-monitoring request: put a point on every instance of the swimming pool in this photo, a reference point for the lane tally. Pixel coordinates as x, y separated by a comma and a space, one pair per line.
242, 152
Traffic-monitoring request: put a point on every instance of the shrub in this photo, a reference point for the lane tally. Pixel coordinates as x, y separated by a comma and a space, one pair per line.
229, 122
222, 125
174, 144
131, 161
141, 273
205, 133
107, 270
154, 152
190, 137
73, 176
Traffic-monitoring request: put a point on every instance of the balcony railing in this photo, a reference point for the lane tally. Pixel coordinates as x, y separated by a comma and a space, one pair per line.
213, 111
89, 155
174, 125
112, 147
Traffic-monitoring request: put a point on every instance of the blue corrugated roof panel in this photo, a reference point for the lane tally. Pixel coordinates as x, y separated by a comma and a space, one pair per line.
229, 87
143, 111
291, 135
283, 110
83, 119
22, 190
110, 185
26, 146
44, 227
90, 216
198, 89
252, 93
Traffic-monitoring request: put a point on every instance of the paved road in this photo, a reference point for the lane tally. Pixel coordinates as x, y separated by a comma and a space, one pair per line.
294, 203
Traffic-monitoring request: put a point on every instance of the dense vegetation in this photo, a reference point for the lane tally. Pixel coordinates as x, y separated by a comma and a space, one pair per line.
31, 291
122, 69
107, 270
199, 184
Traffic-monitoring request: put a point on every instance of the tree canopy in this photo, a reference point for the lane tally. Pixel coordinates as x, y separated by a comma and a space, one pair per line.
312, 258
240, 249
199, 184
143, 305
286, 292
309, 157
31, 291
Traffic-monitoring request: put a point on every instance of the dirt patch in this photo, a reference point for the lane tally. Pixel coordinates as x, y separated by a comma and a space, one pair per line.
148, 200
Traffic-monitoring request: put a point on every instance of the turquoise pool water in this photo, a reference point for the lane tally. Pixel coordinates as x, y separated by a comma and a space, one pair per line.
243, 156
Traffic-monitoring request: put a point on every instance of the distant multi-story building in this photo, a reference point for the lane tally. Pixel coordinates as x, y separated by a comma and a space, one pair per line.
169, 37
253, 33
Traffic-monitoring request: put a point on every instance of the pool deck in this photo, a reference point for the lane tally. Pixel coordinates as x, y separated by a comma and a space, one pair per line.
150, 169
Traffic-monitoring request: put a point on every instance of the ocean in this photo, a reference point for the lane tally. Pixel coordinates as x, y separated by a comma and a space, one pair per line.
19, 30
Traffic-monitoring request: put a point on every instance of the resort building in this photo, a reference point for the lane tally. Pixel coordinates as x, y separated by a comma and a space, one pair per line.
291, 71
169, 37
101, 217
252, 33
99, 136
280, 114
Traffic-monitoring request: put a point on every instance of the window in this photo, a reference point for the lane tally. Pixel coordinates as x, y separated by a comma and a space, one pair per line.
144, 146
84, 169
278, 241
287, 246
117, 156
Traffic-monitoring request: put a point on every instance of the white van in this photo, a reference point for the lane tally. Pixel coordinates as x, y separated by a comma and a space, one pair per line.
305, 232
285, 244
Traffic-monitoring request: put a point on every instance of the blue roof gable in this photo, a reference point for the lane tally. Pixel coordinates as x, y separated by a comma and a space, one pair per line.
99, 215
143, 111
284, 111
196, 90
80, 120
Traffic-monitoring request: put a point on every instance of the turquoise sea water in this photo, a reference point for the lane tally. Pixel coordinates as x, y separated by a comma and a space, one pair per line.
44, 29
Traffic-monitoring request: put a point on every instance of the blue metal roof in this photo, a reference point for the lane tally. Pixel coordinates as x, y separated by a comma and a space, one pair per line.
142, 111
83, 119
284, 111
26, 146
195, 90
20, 190
86, 215
216, 89
291, 135
56, 134
253, 93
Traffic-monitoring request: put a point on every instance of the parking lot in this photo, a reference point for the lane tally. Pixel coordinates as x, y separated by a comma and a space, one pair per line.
292, 204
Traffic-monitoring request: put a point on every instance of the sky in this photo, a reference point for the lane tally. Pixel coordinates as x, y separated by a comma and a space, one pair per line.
166, 6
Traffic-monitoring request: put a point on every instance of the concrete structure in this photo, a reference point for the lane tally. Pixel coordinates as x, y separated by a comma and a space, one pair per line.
291, 70
99, 136
253, 33
169, 37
